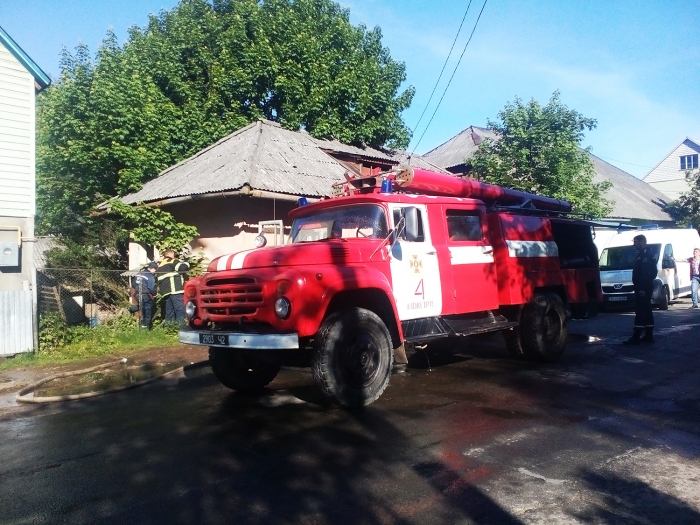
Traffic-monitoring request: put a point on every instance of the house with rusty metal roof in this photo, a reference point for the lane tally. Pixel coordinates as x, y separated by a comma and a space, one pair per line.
634, 201
249, 181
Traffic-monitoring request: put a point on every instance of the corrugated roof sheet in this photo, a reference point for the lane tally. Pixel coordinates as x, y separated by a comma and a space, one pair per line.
633, 198
41, 246
264, 156
454, 151
335, 146
261, 155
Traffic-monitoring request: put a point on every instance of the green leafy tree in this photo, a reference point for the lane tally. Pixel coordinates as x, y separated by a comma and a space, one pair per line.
686, 209
538, 151
195, 74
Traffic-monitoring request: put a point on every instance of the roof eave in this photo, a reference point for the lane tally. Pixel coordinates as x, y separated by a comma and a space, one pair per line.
41, 79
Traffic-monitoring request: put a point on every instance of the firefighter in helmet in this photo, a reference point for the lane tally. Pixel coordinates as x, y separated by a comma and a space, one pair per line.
170, 274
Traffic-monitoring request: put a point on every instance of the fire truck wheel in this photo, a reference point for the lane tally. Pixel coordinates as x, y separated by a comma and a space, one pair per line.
352, 357
543, 328
239, 370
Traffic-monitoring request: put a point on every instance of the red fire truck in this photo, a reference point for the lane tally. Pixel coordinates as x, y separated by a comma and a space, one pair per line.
395, 260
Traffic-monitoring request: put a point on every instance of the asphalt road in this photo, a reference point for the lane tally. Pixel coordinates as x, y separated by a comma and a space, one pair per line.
610, 434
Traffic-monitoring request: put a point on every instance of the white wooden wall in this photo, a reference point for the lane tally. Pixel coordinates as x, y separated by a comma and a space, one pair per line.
16, 138
668, 177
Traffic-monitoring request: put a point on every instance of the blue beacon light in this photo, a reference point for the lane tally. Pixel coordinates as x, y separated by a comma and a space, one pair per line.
386, 186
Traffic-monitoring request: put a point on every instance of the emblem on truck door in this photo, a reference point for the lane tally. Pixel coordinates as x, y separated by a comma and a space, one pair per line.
416, 264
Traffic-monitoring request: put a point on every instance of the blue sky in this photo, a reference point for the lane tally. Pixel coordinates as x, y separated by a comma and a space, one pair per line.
632, 65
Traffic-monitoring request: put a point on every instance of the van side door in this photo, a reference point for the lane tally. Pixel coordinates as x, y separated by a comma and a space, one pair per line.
669, 271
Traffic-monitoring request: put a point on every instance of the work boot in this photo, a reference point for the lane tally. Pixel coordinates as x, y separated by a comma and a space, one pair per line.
635, 339
648, 336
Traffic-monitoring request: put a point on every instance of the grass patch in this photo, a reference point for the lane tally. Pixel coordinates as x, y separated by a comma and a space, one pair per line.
59, 343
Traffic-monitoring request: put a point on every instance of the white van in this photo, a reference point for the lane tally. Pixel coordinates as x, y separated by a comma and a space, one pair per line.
671, 248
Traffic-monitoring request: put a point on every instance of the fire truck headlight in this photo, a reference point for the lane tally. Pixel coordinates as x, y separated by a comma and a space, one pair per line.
190, 309
283, 307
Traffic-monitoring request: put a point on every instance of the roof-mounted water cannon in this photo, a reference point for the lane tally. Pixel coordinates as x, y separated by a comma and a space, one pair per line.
379, 182
416, 180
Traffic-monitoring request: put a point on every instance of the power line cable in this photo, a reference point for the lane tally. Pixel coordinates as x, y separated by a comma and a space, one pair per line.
443, 66
452, 77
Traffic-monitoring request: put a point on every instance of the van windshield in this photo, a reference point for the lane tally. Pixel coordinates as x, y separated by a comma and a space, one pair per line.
623, 257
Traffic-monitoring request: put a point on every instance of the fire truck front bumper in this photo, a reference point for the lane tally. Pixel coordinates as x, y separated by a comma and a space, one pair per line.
240, 340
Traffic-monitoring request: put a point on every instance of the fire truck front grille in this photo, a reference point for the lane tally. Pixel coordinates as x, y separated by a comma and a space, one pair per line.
624, 289
231, 296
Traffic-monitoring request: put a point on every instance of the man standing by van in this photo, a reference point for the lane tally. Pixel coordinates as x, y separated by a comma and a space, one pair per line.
694, 276
643, 276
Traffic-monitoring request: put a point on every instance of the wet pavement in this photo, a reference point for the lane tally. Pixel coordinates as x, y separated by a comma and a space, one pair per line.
609, 434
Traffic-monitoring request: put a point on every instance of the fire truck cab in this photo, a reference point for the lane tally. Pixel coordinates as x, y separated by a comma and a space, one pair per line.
393, 261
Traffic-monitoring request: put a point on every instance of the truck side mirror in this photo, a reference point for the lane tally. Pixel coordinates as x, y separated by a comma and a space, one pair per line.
411, 216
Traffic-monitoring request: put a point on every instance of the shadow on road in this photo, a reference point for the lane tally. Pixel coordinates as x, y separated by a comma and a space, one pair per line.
632, 501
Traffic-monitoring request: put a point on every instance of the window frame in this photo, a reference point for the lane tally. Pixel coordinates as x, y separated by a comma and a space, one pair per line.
689, 162
467, 213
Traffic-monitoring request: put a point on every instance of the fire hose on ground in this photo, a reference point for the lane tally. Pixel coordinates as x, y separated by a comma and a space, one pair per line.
21, 395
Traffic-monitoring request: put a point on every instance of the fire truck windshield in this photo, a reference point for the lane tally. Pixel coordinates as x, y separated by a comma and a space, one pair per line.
345, 222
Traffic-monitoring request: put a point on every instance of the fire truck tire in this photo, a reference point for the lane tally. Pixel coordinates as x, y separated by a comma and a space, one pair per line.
239, 370
352, 357
543, 328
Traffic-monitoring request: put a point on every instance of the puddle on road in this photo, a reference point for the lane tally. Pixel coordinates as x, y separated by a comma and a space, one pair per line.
113, 377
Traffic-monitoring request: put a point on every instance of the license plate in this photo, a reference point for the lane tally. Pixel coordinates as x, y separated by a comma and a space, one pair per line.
214, 339
617, 298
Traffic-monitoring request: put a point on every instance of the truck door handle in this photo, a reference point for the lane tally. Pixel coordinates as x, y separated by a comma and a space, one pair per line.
430, 252
487, 250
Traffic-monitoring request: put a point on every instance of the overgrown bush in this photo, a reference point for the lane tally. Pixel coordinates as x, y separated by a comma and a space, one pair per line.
63, 342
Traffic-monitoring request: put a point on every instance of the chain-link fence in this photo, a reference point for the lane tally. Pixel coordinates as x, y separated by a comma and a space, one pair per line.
80, 295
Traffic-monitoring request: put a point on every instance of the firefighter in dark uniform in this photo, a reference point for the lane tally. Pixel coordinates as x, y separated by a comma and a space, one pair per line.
171, 273
143, 285
643, 276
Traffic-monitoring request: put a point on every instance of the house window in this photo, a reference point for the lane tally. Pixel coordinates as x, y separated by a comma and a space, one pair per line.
689, 162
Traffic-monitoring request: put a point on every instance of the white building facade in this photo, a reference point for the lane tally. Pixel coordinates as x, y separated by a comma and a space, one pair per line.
20, 80
669, 175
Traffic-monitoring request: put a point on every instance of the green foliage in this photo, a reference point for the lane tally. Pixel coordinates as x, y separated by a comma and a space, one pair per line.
538, 151
53, 333
686, 209
90, 252
154, 226
193, 75
59, 342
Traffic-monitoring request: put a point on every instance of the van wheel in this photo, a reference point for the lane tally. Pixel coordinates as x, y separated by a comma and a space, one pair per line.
241, 370
665, 299
352, 357
541, 335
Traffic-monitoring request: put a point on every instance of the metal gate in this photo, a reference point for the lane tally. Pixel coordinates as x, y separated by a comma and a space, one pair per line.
16, 322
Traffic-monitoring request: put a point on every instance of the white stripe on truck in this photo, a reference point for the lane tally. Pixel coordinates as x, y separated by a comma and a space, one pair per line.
470, 255
532, 249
